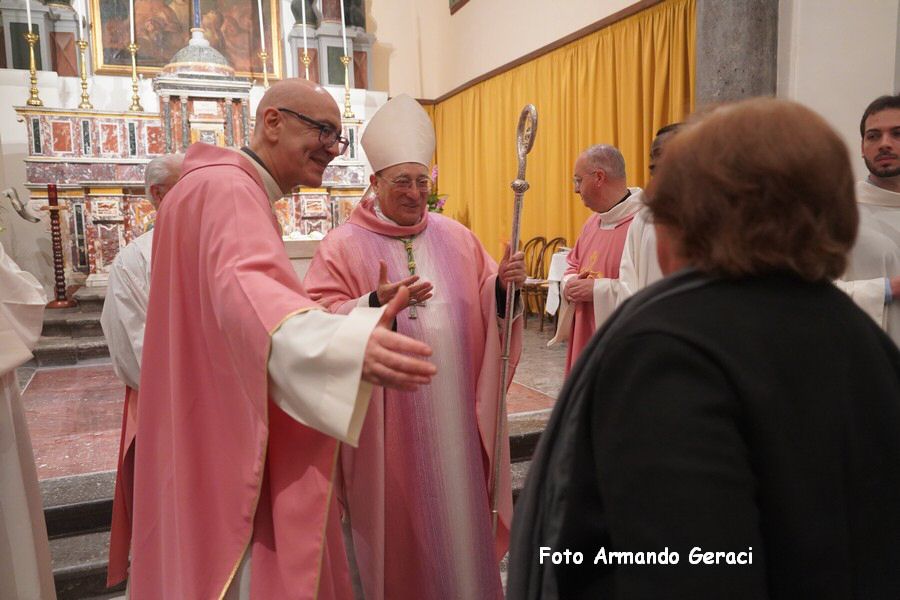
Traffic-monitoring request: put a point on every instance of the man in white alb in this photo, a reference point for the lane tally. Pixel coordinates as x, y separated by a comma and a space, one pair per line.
873, 274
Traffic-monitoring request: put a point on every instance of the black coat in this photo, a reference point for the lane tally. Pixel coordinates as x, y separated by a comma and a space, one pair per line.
724, 415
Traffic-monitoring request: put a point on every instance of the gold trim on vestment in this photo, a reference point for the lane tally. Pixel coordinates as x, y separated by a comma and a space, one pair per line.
337, 448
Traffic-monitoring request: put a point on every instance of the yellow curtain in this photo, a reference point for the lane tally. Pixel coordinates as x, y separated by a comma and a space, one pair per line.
616, 86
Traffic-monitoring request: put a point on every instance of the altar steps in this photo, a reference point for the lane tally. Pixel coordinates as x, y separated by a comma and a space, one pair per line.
78, 511
73, 335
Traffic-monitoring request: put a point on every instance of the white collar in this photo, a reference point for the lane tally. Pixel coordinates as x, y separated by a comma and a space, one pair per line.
869, 193
623, 210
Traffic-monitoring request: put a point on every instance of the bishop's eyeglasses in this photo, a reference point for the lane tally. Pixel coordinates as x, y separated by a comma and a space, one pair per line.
328, 135
405, 184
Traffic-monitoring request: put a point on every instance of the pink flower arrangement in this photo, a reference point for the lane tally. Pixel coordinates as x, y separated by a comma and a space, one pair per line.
435, 201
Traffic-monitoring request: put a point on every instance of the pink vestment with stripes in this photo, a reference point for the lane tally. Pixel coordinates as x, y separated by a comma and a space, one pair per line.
417, 487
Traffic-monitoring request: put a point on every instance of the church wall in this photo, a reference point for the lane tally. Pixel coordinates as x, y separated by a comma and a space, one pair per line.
425, 51
837, 56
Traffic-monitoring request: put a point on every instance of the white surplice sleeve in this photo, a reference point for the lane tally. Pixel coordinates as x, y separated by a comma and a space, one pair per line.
125, 312
868, 294
22, 303
639, 266
315, 366
608, 295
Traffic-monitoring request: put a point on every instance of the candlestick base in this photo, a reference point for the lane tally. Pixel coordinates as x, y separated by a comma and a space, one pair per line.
135, 97
348, 111
33, 98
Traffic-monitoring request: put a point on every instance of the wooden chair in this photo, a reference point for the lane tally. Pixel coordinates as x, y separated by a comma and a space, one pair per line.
550, 249
534, 257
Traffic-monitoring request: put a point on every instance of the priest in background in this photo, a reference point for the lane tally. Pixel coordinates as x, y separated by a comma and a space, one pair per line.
123, 318
742, 412
591, 289
25, 570
416, 490
873, 274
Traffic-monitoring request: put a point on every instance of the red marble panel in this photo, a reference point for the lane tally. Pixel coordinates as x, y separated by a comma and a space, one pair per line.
108, 241
141, 216
156, 139
62, 136
283, 212
238, 124
109, 138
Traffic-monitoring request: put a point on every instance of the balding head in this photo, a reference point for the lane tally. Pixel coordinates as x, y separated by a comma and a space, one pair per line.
289, 144
600, 177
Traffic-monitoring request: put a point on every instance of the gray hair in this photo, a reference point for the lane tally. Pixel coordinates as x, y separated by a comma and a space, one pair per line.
161, 168
608, 158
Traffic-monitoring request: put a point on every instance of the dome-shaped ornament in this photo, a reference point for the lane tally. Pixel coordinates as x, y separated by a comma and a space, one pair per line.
199, 57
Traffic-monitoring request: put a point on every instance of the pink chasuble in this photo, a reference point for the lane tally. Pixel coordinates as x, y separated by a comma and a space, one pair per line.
597, 252
416, 488
220, 467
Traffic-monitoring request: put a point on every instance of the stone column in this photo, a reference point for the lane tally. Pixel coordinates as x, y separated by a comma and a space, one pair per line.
167, 122
229, 122
185, 124
737, 49
245, 120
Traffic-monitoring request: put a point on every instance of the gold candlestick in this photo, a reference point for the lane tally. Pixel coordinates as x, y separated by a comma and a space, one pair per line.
264, 55
33, 99
306, 60
85, 99
135, 97
348, 112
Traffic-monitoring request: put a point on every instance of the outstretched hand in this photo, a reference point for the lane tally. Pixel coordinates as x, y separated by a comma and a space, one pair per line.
394, 360
418, 291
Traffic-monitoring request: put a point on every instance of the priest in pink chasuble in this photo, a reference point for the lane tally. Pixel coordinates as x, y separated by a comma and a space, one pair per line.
246, 385
416, 490
591, 289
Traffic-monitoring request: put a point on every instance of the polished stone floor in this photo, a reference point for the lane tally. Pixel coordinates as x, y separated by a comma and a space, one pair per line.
74, 413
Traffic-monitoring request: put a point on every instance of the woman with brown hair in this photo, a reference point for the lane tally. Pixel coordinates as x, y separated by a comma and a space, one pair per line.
732, 431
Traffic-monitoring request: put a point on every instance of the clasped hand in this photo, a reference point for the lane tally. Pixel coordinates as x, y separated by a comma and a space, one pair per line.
580, 289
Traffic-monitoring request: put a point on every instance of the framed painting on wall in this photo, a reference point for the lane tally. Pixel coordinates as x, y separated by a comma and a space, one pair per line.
163, 28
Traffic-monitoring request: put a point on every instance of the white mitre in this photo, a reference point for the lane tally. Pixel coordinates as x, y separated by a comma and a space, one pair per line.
399, 132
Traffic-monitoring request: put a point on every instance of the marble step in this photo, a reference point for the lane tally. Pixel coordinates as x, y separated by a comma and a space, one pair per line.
79, 561
78, 511
79, 565
83, 503
75, 324
62, 350
90, 299
78, 504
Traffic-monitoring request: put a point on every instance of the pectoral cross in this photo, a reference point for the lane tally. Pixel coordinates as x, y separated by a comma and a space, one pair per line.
411, 263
